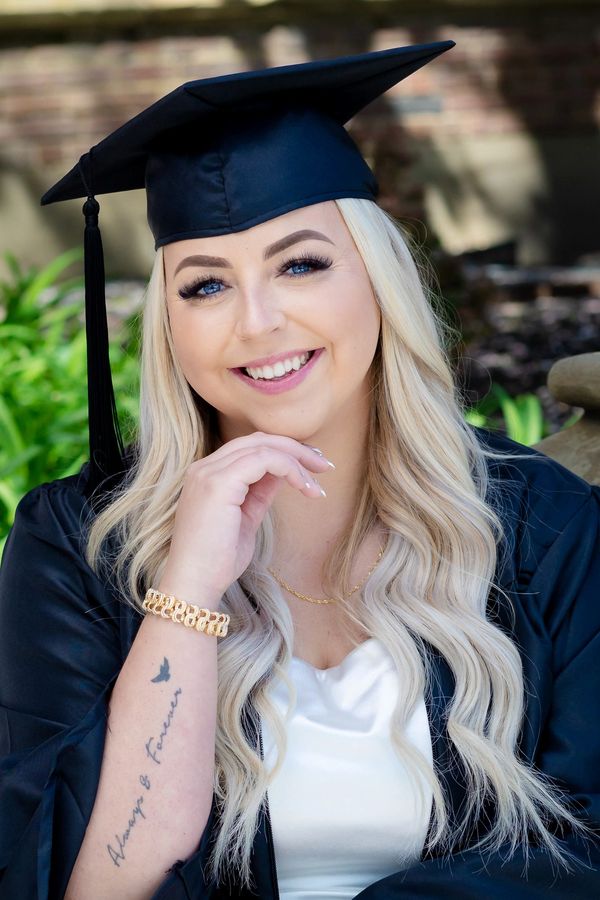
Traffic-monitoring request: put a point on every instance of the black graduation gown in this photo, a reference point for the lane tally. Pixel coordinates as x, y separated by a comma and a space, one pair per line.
64, 638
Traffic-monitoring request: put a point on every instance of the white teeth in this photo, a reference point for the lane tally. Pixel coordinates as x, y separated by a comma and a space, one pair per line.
279, 368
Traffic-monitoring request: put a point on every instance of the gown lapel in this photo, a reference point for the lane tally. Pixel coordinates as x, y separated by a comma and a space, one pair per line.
437, 700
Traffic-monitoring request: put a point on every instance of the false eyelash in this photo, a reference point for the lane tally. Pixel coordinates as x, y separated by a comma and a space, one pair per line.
319, 262
189, 291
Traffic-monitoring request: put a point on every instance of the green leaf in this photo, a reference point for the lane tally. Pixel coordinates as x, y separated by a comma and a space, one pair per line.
74, 467
19, 460
43, 395
47, 276
532, 418
475, 418
17, 332
10, 498
10, 429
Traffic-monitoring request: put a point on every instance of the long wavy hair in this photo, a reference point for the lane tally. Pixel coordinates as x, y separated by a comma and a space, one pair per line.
428, 481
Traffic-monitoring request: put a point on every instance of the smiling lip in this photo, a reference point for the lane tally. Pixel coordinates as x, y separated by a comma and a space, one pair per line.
271, 360
286, 382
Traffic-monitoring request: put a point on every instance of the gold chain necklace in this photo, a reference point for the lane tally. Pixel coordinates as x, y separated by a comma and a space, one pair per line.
285, 585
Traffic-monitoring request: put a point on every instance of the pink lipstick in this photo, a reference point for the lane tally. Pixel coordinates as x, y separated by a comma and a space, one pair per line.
285, 382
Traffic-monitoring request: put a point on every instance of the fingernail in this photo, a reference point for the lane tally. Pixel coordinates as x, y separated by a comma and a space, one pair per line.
320, 452
322, 491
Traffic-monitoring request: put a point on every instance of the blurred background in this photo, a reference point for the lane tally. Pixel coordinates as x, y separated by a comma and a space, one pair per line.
488, 156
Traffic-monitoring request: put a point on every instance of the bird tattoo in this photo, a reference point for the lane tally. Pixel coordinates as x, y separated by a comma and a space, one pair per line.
164, 673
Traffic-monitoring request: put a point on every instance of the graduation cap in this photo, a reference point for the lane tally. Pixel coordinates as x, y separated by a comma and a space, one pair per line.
219, 155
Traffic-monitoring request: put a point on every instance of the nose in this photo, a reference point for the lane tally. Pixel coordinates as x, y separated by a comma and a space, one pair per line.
259, 314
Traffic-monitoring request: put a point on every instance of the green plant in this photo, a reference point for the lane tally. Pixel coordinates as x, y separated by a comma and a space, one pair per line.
522, 415
43, 383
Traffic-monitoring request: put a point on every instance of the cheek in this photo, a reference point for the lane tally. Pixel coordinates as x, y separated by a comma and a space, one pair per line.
183, 338
358, 315
192, 350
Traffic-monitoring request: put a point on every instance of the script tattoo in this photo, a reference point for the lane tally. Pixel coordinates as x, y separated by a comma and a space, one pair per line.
162, 735
118, 855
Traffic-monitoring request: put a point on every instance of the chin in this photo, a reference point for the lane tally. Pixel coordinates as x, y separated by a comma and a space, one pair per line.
285, 425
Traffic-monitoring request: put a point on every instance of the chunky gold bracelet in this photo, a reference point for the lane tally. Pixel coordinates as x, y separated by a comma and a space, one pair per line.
187, 614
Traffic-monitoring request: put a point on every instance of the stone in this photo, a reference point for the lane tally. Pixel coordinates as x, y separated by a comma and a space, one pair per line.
576, 381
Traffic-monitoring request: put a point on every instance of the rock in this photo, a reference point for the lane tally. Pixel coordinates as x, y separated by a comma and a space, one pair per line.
576, 381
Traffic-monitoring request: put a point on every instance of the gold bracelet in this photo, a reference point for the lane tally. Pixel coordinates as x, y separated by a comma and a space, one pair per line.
187, 614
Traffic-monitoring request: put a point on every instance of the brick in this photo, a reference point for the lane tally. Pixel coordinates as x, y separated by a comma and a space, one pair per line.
519, 73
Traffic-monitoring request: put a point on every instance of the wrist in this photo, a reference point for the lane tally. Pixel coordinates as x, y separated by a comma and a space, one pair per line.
203, 598
211, 621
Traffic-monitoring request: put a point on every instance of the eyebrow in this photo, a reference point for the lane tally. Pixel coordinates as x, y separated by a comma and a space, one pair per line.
272, 250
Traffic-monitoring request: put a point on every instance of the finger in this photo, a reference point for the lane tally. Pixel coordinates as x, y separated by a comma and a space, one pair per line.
219, 468
259, 498
252, 465
309, 457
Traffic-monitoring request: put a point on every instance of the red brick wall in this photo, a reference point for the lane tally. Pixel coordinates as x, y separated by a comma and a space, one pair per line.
527, 69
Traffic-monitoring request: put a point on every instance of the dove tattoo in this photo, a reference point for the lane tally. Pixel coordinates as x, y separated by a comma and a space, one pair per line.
164, 673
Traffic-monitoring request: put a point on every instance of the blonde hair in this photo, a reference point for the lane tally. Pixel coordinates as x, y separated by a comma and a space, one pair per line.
427, 481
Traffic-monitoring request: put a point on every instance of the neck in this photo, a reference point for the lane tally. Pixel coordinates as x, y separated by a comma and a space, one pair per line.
306, 527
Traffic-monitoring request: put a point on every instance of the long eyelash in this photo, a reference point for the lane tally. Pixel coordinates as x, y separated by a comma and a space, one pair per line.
319, 262
189, 291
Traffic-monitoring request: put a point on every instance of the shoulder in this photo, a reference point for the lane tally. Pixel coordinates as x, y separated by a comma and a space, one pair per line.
534, 468
47, 541
45, 575
53, 507
45, 560
63, 632
550, 515
65, 506
534, 485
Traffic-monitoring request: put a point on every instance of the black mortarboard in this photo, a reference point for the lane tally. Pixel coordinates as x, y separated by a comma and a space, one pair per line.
219, 155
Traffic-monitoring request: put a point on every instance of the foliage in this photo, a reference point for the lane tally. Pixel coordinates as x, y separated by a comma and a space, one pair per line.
522, 416
43, 382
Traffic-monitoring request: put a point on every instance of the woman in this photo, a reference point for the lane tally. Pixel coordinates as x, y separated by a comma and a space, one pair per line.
423, 611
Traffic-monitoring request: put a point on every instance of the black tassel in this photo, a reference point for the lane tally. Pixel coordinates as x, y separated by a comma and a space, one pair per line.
106, 443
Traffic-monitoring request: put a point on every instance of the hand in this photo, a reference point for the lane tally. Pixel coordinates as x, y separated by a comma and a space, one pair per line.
225, 497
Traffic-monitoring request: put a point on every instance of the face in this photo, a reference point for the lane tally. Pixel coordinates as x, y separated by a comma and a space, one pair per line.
293, 284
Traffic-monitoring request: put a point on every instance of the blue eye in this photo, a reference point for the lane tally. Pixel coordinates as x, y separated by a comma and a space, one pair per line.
210, 283
314, 262
192, 290
298, 262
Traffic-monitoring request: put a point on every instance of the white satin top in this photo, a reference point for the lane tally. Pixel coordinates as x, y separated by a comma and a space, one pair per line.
343, 811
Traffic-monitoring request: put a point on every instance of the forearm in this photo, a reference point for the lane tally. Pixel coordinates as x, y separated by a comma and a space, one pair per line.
156, 782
